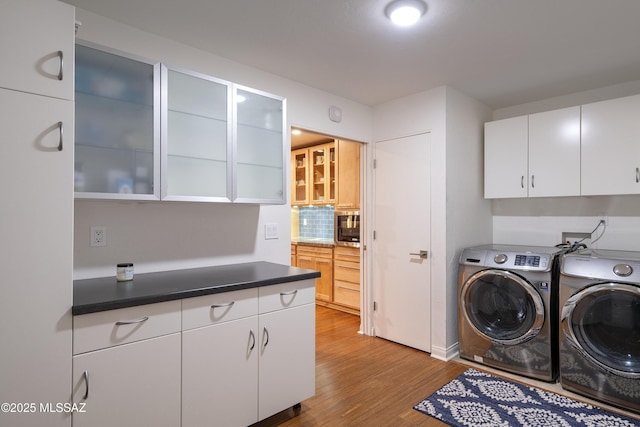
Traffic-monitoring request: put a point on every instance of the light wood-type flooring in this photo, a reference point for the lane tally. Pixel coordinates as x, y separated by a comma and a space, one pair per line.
366, 381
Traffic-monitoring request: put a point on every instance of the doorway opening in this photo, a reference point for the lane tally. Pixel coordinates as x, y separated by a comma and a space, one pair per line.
327, 183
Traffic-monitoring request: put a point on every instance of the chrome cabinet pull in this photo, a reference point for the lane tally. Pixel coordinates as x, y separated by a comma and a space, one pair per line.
253, 340
637, 174
533, 184
293, 292
86, 385
228, 304
522, 181
265, 333
61, 129
60, 73
132, 322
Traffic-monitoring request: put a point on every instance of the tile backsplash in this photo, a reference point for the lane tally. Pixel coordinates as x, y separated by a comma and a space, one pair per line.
316, 222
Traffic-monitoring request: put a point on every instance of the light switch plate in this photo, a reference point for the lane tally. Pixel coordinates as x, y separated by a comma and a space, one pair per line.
270, 231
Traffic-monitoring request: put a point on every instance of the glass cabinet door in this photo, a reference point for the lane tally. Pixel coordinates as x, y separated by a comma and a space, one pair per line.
196, 137
117, 121
259, 157
323, 160
300, 177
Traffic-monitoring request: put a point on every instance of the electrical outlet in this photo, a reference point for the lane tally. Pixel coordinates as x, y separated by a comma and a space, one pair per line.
572, 237
271, 231
98, 236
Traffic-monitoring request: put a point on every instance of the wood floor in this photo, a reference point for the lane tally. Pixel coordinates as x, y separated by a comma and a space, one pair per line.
366, 381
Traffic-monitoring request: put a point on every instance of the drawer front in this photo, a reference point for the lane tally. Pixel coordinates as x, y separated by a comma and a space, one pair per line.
114, 327
293, 249
344, 294
347, 254
315, 251
286, 295
218, 308
348, 271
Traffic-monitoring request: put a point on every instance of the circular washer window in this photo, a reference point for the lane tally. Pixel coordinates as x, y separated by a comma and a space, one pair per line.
605, 322
502, 306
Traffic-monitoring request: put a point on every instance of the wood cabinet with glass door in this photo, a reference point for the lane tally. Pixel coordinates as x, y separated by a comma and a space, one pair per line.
323, 174
300, 177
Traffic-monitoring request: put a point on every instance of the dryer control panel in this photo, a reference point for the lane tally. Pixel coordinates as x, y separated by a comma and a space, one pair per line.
510, 257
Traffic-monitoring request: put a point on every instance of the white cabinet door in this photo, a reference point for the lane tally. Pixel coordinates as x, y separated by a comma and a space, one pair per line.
611, 147
506, 158
287, 358
36, 258
36, 47
554, 153
196, 137
259, 175
131, 385
220, 374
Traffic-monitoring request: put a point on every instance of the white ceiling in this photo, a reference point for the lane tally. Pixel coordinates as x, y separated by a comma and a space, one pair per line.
501, 52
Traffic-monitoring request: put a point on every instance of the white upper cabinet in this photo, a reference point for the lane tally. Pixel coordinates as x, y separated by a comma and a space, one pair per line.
533, 156
117, 151
505, 158
611, 147
196, 137
554, 153
41, 61
260, 157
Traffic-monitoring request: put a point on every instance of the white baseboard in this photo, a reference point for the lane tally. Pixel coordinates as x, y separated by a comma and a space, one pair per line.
446, 354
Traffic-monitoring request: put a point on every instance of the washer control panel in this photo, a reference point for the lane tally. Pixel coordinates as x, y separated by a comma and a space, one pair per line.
510, 257
611, 265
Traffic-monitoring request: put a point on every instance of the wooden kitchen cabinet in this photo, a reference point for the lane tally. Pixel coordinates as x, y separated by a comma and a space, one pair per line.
319, 259
323, 174
300, 177
129, 359
346, 277
348, 174
294, 255
533, 156
610, 148
36, 231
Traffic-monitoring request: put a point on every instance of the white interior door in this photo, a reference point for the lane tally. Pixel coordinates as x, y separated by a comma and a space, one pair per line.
402, 218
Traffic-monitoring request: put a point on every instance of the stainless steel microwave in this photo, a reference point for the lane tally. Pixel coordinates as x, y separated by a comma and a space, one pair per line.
347, 228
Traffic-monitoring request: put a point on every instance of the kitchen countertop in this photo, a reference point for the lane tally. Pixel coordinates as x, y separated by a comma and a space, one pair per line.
326, 243
105, 293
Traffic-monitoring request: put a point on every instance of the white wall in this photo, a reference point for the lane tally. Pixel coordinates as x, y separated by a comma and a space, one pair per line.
459, 214
159, 235
541, 221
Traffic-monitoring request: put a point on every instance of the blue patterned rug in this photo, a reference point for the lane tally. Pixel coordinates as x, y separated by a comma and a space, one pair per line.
478, 399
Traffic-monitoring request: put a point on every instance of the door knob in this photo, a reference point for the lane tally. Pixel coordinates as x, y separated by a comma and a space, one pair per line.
421, 254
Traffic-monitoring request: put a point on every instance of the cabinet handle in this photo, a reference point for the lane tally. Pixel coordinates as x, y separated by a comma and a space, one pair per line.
265, 334
354, 268
637, 174
293, 292
60, 73
86, 385
132, 322
61, 129
228, 304
522, 181
253, 340
533, 185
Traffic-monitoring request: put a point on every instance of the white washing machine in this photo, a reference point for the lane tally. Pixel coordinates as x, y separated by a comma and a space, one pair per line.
600, 326
507, 309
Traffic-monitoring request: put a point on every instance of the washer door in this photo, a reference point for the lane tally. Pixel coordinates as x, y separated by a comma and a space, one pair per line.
603, 323
502, 306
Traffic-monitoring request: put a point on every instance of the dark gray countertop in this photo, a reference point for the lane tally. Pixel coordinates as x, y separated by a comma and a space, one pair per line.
105, 293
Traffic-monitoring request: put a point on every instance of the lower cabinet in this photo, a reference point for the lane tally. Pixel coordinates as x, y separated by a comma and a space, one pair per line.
320, 259
136, 384
346, 277
246, 366
227, 359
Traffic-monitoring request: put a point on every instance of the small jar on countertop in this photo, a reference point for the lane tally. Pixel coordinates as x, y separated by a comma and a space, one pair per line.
124, 272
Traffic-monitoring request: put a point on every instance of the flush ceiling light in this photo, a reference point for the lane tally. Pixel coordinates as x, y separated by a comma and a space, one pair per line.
405, 12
